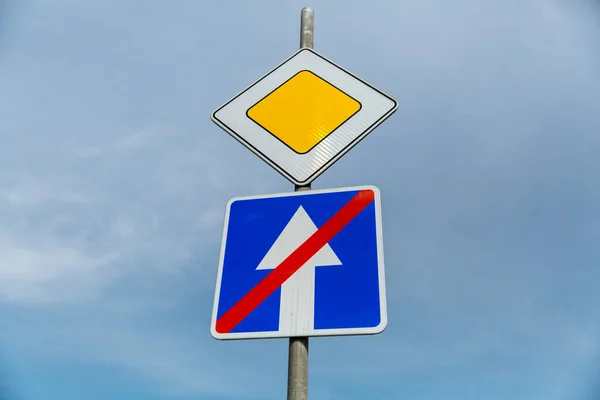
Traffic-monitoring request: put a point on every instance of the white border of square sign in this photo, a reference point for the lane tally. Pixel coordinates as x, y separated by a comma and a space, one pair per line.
318, 332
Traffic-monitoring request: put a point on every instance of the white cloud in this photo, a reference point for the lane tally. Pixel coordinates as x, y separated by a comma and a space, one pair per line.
29, 191
43, 272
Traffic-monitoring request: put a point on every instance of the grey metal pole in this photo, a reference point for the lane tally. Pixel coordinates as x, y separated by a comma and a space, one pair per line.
307, 28
298, 347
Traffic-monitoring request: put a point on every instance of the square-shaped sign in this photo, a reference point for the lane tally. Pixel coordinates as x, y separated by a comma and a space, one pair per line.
306, 263
304, 115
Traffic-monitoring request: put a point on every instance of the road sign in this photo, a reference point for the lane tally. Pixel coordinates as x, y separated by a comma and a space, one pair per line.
301, 264
304, 115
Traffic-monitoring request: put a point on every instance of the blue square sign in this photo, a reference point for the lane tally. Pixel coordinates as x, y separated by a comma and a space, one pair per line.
301, 264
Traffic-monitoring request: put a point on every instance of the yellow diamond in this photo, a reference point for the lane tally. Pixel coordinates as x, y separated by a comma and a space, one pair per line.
303, 111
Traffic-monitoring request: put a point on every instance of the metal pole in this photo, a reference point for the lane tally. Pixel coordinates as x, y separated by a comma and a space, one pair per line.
307, 28
298, 347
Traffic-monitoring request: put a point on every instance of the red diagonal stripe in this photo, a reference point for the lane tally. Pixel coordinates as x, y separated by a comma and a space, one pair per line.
293, 262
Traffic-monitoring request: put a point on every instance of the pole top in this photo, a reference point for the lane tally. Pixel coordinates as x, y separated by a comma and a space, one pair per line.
307, 28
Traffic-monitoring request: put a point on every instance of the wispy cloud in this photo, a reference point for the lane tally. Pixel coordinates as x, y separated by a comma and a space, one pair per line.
42, 272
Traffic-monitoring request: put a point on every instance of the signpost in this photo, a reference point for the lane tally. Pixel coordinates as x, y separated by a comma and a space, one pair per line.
308, 263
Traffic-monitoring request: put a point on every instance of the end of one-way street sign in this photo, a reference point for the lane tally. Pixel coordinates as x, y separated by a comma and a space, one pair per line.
301, 264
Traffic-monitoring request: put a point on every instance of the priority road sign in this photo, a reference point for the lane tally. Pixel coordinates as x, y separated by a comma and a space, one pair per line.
304, 115
301, 264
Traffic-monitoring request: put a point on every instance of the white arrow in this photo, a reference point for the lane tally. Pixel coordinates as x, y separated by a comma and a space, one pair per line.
297, 309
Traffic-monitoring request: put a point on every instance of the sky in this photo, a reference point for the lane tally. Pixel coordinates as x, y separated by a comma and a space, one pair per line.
114, 180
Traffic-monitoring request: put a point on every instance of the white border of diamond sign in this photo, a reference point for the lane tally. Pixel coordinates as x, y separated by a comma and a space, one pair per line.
302, 169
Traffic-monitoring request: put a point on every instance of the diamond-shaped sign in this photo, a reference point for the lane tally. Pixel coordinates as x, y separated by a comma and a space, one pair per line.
304, 115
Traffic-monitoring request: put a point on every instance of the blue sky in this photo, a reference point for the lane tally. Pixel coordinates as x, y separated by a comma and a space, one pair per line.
113, 184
